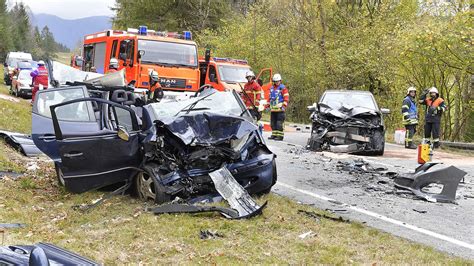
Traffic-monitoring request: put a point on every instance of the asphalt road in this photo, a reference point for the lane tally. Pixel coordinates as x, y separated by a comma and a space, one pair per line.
313, 178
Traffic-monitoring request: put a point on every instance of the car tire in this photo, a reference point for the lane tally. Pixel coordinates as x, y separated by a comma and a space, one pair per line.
59, 175
148, 185
313, 145
379, 143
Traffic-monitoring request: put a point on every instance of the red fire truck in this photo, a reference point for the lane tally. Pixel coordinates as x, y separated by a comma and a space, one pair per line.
172, 55
229, 74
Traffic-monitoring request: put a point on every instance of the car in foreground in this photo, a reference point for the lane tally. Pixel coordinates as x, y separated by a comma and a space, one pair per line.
40, 254
22, 84
347, 121
99, 136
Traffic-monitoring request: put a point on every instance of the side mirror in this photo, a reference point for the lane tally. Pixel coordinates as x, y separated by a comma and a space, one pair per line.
312, 108
141, 53
385, 111
123, 133
212, 78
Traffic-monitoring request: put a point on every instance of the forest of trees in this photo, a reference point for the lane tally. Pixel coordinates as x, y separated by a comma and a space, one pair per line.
17, 34
380, 46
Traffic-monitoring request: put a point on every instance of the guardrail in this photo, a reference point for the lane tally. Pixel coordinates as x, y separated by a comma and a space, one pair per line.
458, 145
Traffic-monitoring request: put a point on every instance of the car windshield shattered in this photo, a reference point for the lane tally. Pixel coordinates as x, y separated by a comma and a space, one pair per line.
224, 103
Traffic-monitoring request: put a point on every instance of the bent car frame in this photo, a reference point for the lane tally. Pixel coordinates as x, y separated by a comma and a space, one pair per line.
347, 121
99, 136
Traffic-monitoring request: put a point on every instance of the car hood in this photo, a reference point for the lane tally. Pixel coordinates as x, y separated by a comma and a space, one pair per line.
207, 128
347, 111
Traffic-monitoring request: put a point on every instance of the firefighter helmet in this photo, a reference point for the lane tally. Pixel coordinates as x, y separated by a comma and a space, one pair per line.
276, 77
41, 62
410, 89
250, 74
433, 89
154, 75
113, 63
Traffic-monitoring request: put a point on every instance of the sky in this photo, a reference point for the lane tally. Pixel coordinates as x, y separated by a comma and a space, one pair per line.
69, 9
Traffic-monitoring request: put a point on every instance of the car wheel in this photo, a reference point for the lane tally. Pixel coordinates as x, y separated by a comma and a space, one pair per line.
378, 143
59, 175
148, 186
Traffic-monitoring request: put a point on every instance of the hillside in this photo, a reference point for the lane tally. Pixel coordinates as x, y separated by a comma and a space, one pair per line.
69, 32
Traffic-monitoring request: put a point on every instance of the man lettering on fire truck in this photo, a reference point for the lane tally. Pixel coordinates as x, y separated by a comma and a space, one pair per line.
40, 77
253, 94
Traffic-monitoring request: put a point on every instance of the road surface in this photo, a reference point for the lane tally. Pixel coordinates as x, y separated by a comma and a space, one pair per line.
313, 178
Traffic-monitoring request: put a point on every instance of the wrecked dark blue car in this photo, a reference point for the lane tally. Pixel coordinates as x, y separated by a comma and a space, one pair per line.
101, 136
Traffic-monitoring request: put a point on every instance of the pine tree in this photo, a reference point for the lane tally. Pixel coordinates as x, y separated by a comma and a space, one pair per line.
5, 38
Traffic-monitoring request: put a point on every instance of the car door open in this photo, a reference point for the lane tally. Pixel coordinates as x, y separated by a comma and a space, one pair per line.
104, 151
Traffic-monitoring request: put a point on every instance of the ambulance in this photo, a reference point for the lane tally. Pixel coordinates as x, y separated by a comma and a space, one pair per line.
173, 55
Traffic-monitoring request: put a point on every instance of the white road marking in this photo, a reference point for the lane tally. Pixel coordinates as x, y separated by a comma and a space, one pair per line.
383, 218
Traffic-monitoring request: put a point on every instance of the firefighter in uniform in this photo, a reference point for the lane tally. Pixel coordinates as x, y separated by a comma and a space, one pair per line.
40, 77
410, 117
279, 98
435, 106
113, 66
253, 93
155, 93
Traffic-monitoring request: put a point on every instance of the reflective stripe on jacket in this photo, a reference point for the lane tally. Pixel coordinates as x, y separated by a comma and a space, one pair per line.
279, 95
409, 111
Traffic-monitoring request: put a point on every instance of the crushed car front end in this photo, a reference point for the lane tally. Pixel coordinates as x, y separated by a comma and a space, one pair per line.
347, 128
189, 146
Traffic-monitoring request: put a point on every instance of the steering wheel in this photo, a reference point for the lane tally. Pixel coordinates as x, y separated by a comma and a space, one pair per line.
202, 88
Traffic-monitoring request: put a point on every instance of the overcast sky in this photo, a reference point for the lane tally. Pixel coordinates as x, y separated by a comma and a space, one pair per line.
69, 9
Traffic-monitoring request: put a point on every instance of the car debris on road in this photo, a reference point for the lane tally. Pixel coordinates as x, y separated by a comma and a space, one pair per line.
449, 177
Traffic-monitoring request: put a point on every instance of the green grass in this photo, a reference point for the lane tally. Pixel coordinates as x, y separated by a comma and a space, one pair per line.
119, 231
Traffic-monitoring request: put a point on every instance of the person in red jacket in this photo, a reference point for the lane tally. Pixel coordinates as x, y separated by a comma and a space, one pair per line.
40, 77
279, 98
253, 94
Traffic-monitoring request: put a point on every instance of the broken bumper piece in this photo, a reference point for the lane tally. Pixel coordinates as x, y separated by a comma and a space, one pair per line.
449, 177
21, 142
242, 205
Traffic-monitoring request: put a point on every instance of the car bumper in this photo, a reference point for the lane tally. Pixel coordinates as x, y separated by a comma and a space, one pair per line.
25, 91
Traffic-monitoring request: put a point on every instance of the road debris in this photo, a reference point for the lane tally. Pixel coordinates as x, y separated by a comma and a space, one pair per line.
209, 234
420, 211
318, 216
307, 235
21, 142
415, 182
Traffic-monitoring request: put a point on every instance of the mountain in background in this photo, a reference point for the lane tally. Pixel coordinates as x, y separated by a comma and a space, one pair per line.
70, 31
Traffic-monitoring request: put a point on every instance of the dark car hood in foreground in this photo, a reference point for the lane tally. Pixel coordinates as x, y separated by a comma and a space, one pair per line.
207, 128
